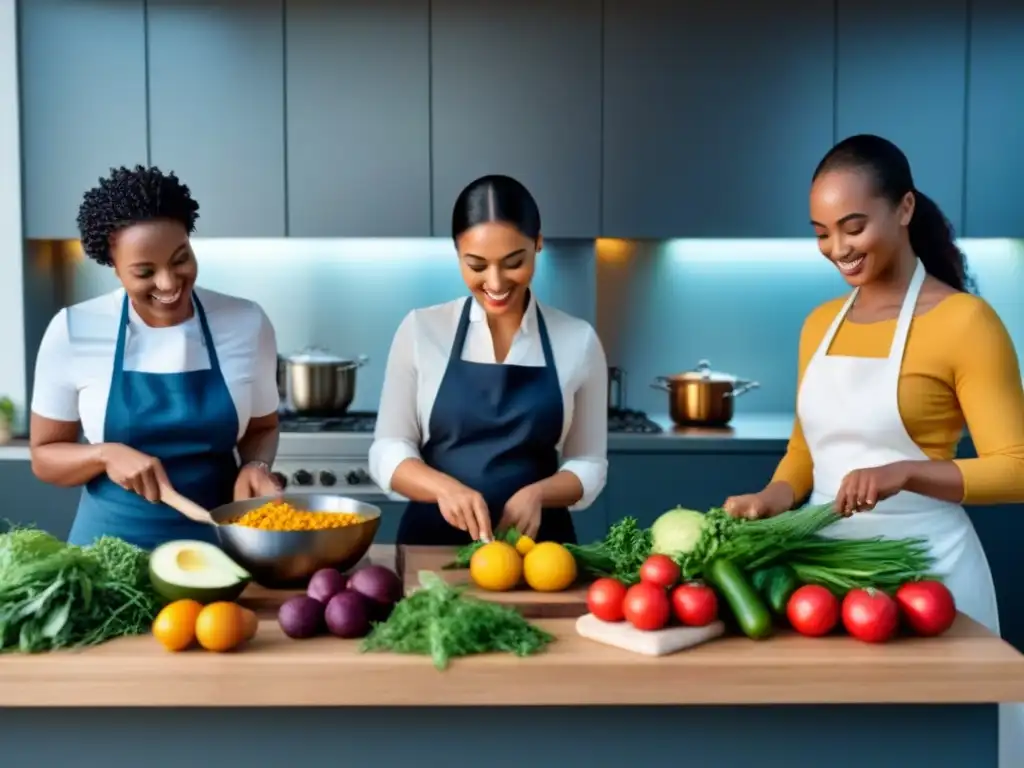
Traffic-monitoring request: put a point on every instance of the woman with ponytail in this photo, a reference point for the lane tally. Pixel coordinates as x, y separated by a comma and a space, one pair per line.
889, 377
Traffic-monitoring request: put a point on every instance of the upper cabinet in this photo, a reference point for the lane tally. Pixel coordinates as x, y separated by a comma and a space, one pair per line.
516, 90
995, 115
625, 118
906, 80
83, 103
358, 106
216, 96
715, 115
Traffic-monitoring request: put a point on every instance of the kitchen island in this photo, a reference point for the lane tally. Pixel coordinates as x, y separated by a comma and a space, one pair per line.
784, 701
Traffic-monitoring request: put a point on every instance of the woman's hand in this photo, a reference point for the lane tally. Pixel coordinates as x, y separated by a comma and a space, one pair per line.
134, 471
523, 512
255, 481
773, 499
862, 489
465, 509
749, 506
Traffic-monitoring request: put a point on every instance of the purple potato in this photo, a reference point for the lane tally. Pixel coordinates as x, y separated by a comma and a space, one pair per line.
347, 615
380, 586
301, 617
325, 584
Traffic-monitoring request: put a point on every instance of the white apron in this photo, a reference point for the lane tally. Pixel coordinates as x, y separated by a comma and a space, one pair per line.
849, 412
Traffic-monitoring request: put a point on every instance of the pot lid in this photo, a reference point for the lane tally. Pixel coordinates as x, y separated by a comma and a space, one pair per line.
315, 355
703, 372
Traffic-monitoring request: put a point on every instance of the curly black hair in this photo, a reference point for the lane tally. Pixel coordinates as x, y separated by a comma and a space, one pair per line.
128, 197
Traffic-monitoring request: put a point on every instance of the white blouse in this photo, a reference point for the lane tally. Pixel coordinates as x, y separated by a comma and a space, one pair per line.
418, 359
76, 357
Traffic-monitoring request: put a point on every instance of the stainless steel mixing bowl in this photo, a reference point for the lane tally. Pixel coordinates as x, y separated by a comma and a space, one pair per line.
286, 559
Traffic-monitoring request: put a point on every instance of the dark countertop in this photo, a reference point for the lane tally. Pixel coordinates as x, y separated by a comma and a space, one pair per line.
748, 433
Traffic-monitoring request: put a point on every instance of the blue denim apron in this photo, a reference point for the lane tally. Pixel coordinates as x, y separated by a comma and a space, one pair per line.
188, 421
494, 428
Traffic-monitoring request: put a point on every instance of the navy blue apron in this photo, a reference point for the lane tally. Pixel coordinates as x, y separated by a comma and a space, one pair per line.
495, 428
188, 421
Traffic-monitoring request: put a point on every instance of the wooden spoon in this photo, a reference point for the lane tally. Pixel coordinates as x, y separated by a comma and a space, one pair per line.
187, 507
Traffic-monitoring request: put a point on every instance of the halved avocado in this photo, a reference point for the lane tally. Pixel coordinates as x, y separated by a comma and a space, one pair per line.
195, 570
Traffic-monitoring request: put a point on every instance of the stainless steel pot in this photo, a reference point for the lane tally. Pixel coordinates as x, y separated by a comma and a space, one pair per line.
616, 389
702, 397
282, 376
318, 382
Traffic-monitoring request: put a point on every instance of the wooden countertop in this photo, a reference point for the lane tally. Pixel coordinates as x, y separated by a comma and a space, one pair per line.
967, 665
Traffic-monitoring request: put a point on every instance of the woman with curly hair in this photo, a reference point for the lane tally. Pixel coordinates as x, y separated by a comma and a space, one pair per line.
166, 381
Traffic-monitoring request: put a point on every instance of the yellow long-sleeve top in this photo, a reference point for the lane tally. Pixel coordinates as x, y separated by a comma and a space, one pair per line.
960, 367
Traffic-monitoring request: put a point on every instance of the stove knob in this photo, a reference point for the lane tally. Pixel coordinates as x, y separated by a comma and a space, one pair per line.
353, 478
327, 478
302, 477
280, 478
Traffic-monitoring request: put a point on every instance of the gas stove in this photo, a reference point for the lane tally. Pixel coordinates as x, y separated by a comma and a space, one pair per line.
628, 420
327, 454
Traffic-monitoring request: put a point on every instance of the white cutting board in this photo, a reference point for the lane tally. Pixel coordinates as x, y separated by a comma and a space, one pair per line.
661, 642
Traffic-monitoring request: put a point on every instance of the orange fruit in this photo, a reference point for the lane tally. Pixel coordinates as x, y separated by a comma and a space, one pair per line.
251, 623
549, 567
175, 625
223, 626
496, 566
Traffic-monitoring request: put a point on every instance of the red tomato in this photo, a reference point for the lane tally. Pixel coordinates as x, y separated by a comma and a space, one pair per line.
646, 606
870, 615
695, 604
605, 598
660, 571
813, 610
927, 606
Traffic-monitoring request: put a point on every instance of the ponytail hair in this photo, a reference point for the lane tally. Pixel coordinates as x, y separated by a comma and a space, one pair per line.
931, 233
933, 240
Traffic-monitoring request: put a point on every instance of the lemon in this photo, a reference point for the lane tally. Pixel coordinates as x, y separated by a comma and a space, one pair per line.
549, 567
496, 566
524, 544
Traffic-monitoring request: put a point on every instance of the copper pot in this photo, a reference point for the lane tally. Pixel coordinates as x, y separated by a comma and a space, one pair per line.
702, 397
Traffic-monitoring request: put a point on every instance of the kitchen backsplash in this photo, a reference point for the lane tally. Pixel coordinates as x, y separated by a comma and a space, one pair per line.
659, 307
740, 304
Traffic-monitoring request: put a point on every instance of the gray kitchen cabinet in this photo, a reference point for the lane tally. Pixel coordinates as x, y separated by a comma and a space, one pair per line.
31, 503
83, 103
591, 524
906, 80
516, 90
358, 112
643, 485
715, 115
216, 94
995, 111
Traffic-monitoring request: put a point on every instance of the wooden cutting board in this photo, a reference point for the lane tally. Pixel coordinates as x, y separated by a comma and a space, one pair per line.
568, 604
658, 643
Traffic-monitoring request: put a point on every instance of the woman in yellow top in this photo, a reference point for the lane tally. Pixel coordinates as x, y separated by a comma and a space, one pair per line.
890, 375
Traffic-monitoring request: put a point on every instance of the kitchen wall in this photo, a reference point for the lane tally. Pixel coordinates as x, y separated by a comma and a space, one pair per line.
12, 369
659, 307
741, 304
346, 295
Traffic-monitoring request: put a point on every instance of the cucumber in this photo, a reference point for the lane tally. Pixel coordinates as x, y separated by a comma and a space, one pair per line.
751, 612
775, 584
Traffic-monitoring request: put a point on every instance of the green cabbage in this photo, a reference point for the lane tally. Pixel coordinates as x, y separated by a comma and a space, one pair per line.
677, 532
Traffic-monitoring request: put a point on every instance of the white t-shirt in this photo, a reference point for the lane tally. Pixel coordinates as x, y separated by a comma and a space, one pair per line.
76, 356
418, 360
